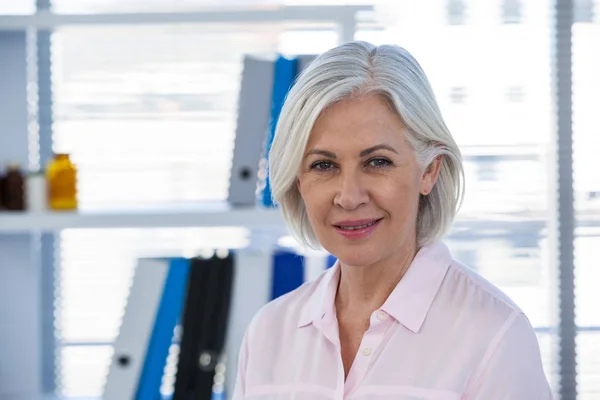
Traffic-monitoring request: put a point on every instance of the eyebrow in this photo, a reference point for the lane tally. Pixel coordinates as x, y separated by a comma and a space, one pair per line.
363, 153
370, 150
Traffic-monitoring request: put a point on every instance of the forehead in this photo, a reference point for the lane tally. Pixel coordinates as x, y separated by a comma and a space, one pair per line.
358, 122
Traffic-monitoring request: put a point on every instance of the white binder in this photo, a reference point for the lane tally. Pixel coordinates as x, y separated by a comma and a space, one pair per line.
153, 309
254, 114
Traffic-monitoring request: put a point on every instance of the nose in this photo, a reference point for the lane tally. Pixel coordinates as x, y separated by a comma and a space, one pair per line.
351, 191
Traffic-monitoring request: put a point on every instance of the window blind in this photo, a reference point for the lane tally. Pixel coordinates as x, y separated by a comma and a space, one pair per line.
586, 142
490, 66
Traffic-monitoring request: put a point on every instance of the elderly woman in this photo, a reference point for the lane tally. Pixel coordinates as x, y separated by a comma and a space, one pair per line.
363, 165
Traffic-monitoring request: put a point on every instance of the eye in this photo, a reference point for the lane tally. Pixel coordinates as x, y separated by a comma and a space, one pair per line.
321, 165
379, 162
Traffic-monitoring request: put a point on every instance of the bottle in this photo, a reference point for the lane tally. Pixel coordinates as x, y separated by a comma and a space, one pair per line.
1, 190
61, 177
13, 188
36, 192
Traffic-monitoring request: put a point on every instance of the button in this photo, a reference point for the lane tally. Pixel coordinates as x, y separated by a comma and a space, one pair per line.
382, 315
367, 351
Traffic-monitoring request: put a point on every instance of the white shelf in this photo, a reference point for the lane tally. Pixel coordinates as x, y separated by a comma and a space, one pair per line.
49, 20
220, 214
209, 215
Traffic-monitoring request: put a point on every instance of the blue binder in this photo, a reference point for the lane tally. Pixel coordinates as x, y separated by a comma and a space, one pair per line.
330, 261
167, 317
285, 74
288, 272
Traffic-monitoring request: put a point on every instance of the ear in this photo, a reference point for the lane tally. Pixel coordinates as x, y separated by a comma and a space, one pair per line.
430, 176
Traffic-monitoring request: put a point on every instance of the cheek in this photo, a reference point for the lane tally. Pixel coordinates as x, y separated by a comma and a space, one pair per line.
400, 189
401, 196
314, 196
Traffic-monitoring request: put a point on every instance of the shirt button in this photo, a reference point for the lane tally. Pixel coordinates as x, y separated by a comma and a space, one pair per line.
382, 315
367, 351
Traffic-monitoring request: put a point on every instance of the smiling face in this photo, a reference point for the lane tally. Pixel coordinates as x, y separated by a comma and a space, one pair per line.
360, 182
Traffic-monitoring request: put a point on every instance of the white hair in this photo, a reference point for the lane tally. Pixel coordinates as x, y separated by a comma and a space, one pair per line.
350, 70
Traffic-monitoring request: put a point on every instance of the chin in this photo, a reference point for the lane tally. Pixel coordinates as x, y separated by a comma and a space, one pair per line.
353, 255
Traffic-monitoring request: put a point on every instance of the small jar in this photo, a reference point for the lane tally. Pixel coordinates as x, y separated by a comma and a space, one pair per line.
61, 177
36, 192
13, 188
1, 191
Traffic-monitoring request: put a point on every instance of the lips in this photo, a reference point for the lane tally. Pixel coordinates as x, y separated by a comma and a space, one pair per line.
356, 225
357, 229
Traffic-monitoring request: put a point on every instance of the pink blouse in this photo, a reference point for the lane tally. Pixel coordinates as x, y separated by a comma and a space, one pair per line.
444, 333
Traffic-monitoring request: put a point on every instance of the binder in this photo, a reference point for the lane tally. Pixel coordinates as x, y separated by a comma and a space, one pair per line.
264, 87
153, 309
285, 74
204, 326
254, 112
288, 272
252, 289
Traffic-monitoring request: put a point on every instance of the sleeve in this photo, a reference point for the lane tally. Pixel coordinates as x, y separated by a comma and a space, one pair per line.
512, 369
239, 392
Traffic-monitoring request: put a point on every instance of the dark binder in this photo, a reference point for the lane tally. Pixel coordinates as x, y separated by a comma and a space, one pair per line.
204, 326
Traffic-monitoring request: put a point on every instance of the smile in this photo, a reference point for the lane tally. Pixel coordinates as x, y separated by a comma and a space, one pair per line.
357, 229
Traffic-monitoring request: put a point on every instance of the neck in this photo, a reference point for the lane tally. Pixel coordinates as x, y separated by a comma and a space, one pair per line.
364, 289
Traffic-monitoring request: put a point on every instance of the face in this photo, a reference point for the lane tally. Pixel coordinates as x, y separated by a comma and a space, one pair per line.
360, 182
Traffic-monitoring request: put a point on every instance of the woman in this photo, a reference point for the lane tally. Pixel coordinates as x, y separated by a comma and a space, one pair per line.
363, 165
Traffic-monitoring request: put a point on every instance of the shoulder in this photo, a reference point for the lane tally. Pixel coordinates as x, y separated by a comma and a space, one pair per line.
512, 365
474, 312
488, 329
472, 291
488, 306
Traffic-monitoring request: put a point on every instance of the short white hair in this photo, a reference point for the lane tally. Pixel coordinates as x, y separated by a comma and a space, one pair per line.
347, 71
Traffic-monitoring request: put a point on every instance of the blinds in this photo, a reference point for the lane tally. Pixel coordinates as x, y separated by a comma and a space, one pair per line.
148, 113
586, 142
490, 66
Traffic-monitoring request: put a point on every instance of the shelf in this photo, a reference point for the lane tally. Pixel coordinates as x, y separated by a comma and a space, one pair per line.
49, 20
207, 215
220, 214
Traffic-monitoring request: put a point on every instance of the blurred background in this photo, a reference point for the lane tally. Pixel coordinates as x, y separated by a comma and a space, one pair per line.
143, 95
